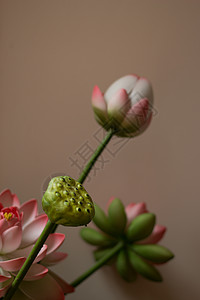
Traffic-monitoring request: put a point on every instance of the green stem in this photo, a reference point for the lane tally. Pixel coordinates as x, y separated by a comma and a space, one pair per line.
95, 156
38, 245
93, 159
98, 264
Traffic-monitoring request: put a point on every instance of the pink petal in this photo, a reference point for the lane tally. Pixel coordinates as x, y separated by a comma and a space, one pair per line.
118, 105
33, 230
41, 254
15, 201
30, 211
12, 265
99, 106
6, 198
63, 284
4, 290
134, 209
26, 251
156, 236
3, 225
54, 241
98, 99
54, 258
4, 278
141, 109
0, 244
134, 131
136, 116
145, 126
45, 288
36, 271
11, 239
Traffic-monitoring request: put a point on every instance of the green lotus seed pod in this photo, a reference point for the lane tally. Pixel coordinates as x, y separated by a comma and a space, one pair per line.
154, 253
143, 268
66, 202
96, 238
124, 267
141, 227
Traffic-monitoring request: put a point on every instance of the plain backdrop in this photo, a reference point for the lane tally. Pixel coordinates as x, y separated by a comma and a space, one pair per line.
52, 53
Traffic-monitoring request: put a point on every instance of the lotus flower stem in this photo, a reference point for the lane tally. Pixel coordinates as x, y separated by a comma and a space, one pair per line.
95, 156
38, 245
101, 262
93, 159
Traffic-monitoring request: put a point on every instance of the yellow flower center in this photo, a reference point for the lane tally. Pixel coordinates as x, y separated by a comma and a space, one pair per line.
8, 216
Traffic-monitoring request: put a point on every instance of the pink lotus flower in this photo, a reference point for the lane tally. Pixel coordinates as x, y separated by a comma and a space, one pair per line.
126, 106
20, 227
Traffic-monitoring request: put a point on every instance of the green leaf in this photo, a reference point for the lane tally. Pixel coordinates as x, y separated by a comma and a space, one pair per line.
124, 267
143, 268
96, 238
117, 216
141, 227
101, 220
154, 253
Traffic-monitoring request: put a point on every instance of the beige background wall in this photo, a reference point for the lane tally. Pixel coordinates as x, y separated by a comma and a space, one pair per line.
52, 53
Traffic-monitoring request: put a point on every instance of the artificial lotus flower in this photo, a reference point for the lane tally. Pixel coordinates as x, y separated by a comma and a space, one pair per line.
20, 227
125, 107
134, 228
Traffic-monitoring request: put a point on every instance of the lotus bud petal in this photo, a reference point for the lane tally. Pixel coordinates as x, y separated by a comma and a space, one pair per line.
141, 227
118, 106
126, 82
136, 117
66, 202
99, 106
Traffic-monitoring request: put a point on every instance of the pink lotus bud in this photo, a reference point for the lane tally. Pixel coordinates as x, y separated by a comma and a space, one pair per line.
126, 105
